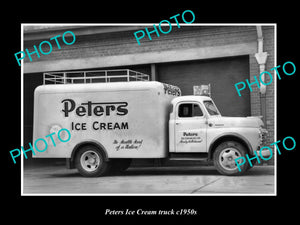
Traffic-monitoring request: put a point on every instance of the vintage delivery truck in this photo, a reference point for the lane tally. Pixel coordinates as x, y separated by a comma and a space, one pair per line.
112, 123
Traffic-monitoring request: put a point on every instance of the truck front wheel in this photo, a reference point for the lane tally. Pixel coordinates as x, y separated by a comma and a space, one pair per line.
90, 162
224, 158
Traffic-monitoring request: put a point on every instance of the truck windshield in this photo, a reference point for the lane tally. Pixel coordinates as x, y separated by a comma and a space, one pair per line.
211, 108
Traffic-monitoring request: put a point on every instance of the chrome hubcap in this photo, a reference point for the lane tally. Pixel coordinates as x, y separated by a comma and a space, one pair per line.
90, 160
227, 158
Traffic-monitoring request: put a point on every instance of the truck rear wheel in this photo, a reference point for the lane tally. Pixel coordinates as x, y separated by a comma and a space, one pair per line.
90, 162
224, 158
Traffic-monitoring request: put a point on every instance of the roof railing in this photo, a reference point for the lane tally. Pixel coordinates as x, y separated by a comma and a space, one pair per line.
94, 76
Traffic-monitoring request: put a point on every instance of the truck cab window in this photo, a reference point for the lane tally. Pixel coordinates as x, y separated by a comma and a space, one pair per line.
197, 110
189, 110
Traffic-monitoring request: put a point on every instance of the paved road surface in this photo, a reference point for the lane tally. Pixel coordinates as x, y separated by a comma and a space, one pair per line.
159, 180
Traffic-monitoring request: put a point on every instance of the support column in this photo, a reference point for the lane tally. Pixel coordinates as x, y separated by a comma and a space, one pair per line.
153, 72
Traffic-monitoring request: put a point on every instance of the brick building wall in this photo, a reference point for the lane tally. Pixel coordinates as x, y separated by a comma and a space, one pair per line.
118, 43
101, 45
269, 97
256, 104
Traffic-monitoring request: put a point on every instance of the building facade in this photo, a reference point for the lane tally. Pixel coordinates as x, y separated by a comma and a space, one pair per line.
219, 55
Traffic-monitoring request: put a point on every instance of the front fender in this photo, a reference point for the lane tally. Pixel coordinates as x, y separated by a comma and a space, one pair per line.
229, 136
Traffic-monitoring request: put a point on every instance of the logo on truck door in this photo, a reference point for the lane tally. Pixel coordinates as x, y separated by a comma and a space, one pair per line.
190, 137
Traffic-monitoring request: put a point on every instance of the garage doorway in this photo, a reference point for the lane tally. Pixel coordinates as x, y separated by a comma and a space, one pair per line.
221, 73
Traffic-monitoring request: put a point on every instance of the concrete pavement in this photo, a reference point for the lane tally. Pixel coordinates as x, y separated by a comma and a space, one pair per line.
150, 180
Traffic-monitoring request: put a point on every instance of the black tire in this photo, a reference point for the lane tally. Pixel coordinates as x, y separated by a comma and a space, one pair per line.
224, 156
119, 165
90, 161
254, 161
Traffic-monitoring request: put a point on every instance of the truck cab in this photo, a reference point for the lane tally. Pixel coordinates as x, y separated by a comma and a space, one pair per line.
197, 128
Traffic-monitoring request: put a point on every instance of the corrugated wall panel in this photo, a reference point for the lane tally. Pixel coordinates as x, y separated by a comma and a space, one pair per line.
221, 73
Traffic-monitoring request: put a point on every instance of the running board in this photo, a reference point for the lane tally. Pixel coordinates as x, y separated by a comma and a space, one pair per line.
188, 156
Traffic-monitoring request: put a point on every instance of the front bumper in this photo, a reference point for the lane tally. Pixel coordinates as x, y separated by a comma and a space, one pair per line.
265, 153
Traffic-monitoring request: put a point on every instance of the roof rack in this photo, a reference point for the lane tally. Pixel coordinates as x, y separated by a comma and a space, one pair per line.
95, 76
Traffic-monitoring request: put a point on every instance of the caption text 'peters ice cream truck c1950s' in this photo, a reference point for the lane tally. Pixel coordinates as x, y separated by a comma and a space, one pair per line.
115, 121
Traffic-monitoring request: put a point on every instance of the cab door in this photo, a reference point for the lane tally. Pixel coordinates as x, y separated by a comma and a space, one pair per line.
190, 127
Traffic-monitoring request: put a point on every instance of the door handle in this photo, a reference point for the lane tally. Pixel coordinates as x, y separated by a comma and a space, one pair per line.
209, 123
177, 123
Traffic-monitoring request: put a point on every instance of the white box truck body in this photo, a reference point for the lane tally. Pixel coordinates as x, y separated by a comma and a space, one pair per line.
128, 119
